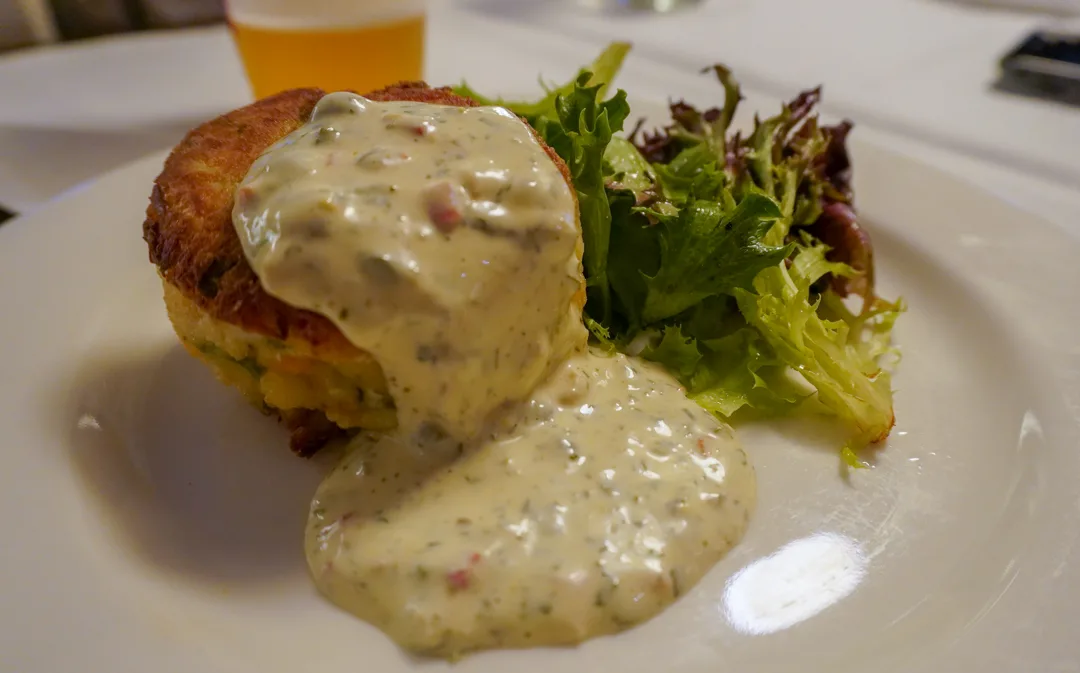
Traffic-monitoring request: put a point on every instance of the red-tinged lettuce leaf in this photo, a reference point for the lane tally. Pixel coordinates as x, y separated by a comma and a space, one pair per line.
838, 228
806, 166
690, 127
790, 156
834, 165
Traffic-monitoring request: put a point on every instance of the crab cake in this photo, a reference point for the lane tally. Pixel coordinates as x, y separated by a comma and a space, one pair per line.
286, 360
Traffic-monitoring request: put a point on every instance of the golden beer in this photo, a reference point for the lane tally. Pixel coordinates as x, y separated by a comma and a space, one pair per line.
336, 48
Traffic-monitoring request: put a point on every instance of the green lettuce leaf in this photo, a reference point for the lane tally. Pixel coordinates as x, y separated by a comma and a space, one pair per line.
705, 252
839, 364
677, 352
601, 73
580, 134
693, 174
741, 370
634, 255
727, 374
628, 170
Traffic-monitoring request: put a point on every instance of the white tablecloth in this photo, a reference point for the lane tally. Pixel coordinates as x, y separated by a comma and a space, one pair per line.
923, 68
67, 113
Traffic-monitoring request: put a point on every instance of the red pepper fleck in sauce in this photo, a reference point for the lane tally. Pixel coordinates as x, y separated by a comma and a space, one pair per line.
444, 207
459, 579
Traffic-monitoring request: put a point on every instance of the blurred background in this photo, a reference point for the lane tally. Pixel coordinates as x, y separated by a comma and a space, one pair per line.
27, 22
88, 85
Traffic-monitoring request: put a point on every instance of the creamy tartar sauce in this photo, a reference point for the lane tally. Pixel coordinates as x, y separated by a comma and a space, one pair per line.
569, 494
440, 239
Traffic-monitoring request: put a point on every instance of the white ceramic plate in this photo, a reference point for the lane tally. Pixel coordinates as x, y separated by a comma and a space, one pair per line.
152, 521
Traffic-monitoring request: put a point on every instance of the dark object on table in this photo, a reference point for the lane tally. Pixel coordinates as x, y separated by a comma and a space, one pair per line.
5, 215
89, 18
1045, 65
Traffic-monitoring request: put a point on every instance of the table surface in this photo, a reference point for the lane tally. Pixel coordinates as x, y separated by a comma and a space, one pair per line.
70, 112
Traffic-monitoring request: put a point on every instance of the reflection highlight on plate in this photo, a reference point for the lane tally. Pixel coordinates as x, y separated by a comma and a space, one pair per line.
794, 583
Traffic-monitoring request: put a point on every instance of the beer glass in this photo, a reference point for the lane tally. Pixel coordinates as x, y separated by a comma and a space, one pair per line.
335, 45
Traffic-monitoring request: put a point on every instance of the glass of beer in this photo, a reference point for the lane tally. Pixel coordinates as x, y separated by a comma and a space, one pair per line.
335, 45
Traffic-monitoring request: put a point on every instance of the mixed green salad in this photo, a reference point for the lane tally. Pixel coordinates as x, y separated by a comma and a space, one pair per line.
735, 261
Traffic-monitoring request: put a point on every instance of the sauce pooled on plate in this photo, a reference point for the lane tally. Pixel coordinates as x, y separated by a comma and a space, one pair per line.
595, 505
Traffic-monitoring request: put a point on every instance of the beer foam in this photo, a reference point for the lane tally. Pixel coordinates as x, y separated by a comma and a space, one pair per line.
322, 14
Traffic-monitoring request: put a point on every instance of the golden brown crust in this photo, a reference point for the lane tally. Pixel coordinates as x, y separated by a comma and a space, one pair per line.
189, 227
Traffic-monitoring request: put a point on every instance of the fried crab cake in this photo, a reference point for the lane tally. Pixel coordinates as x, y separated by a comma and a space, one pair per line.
289, 362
